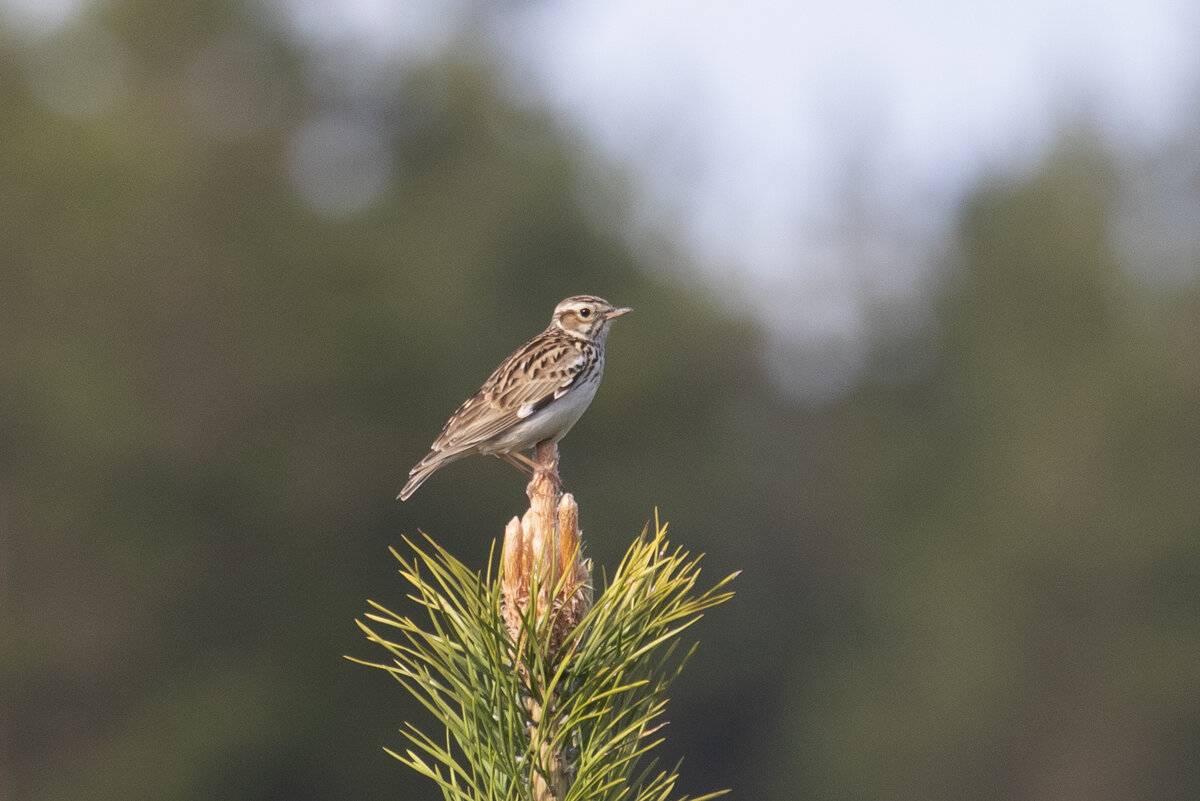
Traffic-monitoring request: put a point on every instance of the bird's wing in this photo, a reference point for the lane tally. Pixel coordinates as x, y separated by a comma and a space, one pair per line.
539, 372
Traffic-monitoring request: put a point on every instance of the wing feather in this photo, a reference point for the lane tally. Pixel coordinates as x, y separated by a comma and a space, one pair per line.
543, 370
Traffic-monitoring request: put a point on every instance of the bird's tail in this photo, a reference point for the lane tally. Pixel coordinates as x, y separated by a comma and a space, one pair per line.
417, 477
425, 468
411, 486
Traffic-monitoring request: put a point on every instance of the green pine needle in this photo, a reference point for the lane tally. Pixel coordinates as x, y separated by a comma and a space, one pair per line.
606, 687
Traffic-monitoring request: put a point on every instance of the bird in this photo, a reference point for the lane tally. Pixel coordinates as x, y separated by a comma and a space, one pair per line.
536, 394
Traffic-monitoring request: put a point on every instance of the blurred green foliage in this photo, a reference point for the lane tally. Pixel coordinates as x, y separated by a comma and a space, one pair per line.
1026, 621
980, 583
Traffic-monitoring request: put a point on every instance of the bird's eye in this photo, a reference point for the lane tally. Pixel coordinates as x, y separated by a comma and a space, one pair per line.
585, 312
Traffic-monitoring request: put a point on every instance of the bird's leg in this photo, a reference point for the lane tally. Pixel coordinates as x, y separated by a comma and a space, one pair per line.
520, 461
544, 464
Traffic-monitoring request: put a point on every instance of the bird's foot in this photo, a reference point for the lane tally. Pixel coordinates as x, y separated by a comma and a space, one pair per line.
545, 469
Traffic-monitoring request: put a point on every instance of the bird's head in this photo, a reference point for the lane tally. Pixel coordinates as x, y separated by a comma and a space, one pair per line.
586, 316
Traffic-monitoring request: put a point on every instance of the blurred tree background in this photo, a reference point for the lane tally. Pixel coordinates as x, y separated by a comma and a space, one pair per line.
240, 298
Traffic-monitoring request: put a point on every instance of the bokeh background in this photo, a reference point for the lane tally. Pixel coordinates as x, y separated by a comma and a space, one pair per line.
916, 347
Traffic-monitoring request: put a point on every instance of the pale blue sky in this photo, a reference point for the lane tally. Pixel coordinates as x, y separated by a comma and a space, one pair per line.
756, 105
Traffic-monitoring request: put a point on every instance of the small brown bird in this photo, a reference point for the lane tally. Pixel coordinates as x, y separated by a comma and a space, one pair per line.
536, 394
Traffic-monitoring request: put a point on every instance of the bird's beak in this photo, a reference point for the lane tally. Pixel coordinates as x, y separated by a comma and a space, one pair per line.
615, 313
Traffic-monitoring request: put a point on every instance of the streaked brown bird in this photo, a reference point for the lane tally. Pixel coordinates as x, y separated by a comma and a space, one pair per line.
536, 394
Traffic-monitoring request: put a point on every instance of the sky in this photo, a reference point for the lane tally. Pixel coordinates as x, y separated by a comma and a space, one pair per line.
777, 132
756, 108
769, 134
